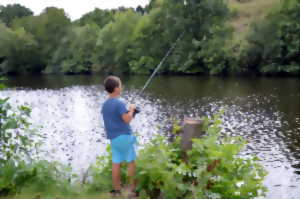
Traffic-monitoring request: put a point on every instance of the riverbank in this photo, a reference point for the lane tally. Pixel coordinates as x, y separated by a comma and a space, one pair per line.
265, 111
211, 167
246, 13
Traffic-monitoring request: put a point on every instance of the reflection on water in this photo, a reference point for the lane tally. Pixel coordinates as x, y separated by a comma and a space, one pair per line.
264, 111
72, 124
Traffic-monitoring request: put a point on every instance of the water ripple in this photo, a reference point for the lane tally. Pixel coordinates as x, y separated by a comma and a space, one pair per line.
74, 133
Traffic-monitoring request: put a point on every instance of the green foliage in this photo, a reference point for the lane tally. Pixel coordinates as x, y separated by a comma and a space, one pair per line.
40, 177
98, 17
202, 22
122, 40
100, 174
211, 169
2, 86
114, 42
133, 41
76, 50
17, 137
48, 29
13, 11
17, 48
20, 169
274, 44
217, 53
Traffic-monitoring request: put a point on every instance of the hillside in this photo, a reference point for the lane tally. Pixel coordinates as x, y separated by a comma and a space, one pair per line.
248, 11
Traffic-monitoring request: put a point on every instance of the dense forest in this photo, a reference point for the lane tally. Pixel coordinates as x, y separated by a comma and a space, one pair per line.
134, 40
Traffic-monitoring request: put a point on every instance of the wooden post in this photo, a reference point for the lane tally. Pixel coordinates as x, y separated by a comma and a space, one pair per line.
191, 129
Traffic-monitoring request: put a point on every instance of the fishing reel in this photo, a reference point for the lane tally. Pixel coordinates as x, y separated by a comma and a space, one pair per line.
136, 111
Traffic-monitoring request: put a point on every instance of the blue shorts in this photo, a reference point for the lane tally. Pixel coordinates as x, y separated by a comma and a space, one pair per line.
122, 148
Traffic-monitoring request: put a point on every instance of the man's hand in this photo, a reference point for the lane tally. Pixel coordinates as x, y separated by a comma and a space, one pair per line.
132, 107
127, 117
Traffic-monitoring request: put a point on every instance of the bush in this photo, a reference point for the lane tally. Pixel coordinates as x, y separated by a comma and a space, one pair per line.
213, 168
18, 140
274, 44
38, 177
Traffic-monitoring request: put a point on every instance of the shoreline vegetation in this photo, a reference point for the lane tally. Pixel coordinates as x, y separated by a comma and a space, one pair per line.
222, 37
212, 168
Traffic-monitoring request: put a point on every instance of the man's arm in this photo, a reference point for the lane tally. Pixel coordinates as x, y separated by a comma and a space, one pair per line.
127, 117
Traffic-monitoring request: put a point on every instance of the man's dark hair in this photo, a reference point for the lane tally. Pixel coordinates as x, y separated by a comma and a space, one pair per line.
110, 83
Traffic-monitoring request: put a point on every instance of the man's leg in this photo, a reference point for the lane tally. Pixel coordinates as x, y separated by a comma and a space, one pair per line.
131, 175
116, 176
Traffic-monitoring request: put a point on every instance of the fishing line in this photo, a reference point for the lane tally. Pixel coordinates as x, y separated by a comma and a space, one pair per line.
138, 110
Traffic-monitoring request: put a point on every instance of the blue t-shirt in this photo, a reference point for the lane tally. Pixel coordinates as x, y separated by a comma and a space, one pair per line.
112, 111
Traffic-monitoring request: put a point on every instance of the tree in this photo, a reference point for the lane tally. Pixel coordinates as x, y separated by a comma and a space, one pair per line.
18, 51
126, 40
202, 21
99, 17
48, 29
13, 11
114, 43
274, 44
75, 52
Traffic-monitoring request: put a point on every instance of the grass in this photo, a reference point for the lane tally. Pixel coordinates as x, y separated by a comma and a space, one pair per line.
248, 11
100, 195
36, 196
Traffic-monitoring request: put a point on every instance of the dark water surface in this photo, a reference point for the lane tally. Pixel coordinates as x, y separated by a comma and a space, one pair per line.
265, 111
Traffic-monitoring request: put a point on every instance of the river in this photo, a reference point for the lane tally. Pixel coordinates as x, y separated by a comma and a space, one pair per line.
265, 111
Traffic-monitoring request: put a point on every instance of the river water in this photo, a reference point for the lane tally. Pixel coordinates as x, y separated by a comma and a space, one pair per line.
265, 111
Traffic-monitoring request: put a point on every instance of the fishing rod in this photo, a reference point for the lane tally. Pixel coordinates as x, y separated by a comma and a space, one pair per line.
137, 109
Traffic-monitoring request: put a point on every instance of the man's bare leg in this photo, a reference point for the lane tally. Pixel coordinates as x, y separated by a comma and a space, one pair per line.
131, 175
116, 170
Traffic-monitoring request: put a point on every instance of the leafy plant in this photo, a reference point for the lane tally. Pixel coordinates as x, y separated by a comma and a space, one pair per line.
17, 137
211, 169
100, 174
38, 178
20, 169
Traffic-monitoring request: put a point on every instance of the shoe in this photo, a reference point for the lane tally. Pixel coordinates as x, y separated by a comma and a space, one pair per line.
115, 193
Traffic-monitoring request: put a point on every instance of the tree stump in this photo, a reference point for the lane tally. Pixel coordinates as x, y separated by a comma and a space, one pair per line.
191, 129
